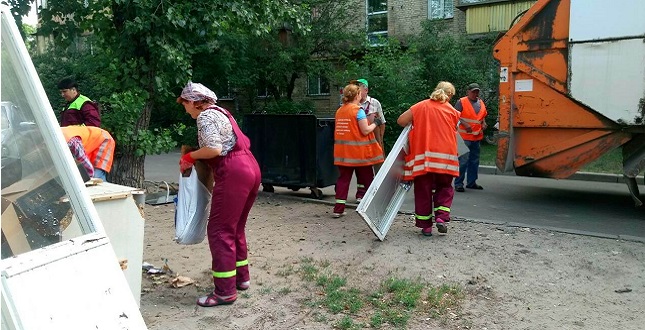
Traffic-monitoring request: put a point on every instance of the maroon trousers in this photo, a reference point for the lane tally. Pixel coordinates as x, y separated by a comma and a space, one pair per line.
424, 198
364, 176
237, 180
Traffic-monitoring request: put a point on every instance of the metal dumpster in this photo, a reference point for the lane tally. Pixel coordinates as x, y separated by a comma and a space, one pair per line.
294, 151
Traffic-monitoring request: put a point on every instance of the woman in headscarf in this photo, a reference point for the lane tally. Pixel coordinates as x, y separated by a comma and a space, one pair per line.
237, 179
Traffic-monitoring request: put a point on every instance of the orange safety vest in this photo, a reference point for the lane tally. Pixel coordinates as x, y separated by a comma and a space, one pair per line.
474, 119
98, 144
432, 140
351, 147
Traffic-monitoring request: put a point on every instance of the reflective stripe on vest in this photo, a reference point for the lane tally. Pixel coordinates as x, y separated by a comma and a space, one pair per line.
431, 160
439, 166
224, 274
354, 161
355, 143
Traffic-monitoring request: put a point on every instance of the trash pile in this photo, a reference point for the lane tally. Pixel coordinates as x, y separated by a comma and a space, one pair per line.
163, 274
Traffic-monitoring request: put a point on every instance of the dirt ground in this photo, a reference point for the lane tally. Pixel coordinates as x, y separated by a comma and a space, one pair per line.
512, 278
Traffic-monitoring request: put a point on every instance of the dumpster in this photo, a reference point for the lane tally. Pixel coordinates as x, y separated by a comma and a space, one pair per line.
293, 151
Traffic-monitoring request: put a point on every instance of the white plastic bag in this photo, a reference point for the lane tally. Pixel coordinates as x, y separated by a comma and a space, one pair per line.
192, 210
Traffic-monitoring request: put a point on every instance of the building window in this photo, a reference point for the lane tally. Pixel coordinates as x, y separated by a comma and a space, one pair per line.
318, 85
440, 9
376, 20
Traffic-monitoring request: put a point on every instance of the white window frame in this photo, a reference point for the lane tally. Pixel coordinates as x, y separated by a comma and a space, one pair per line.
441, 10
368, 14
319, 79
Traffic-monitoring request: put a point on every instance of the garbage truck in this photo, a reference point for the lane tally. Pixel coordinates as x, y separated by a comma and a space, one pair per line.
572, 88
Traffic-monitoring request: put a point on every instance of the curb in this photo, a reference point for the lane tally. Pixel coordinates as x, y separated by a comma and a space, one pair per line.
580, 176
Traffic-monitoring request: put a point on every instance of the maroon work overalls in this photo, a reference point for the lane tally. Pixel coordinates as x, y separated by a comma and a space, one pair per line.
237, 180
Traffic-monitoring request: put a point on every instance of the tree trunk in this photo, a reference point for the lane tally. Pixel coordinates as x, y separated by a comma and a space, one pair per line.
129, 169
291, 86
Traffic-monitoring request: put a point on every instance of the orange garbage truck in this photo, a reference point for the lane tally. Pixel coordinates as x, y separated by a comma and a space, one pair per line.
572, 88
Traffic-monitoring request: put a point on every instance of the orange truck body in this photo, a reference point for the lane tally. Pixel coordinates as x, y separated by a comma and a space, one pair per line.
570, 90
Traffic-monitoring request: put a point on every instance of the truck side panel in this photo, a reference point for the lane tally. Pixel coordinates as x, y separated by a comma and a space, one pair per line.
544, 130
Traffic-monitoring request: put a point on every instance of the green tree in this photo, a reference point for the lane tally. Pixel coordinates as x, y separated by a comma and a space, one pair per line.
19, 9
148, 48
294, 49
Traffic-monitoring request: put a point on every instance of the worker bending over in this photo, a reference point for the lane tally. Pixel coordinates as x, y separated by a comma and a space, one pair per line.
97, 150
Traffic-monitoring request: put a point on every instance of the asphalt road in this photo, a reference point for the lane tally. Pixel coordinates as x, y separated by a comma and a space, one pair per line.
588, 207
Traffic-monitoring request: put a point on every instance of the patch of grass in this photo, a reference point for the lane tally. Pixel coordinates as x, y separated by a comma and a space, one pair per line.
320, 317
308, 270
611, 162
443, 298
347, 323
288, 270
245, 295
392, 305
266, 290
285, 291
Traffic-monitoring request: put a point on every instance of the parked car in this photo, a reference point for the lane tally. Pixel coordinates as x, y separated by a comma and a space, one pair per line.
20, 141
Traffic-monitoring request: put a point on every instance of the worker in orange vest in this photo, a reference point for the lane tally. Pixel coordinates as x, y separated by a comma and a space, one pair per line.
98, 145
355, 146
432, 161
471, 128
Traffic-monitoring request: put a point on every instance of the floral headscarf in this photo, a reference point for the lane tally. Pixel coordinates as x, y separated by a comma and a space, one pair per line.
197, 92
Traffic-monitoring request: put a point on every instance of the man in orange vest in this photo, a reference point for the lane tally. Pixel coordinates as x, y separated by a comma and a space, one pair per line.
471, 128
98, 146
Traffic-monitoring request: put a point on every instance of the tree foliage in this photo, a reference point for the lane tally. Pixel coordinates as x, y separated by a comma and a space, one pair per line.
147, 49
19, 9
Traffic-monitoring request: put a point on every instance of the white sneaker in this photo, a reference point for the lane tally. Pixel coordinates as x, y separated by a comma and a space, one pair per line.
358, 200
338, 215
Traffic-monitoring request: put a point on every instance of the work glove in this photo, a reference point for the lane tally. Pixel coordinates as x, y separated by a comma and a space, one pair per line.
186, 162
378, 121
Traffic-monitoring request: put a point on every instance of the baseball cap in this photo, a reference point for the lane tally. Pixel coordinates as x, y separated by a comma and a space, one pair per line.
473, 86
360, 81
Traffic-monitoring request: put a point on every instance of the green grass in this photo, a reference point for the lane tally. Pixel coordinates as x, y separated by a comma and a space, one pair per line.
392, 304
611, 162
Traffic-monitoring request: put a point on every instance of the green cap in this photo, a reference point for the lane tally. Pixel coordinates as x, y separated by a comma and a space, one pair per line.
359, 81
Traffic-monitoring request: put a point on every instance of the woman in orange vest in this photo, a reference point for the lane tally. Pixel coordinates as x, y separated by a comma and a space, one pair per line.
432, 161
355, 146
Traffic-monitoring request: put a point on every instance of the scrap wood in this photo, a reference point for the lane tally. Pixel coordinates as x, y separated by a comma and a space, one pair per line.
181, 281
